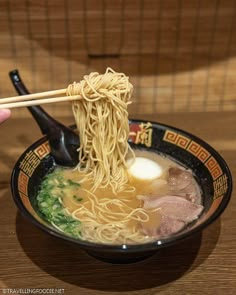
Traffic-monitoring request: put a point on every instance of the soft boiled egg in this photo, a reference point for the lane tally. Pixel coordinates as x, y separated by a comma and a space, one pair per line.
144, 169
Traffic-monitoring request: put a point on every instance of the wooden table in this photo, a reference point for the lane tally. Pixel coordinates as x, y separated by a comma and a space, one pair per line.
204, 264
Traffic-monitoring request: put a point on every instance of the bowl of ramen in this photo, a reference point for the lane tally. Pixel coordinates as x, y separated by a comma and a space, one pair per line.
139, 185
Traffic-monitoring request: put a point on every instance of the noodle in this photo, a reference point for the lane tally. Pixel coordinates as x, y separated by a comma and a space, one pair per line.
110, 213
102, 224
102, 120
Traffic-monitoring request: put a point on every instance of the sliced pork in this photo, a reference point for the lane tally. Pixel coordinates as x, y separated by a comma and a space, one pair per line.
175, 207
178, 178
175, 212
182, 183
163, 227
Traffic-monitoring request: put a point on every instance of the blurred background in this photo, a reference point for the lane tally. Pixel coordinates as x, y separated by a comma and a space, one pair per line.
180, 55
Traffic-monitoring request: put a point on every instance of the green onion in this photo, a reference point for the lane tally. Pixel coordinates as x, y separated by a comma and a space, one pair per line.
77, 198
71, 182
50, 207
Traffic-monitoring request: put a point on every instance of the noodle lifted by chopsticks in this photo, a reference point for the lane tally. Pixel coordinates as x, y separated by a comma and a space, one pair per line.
102, 120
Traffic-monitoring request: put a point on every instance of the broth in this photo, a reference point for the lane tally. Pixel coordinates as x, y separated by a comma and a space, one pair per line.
67, 202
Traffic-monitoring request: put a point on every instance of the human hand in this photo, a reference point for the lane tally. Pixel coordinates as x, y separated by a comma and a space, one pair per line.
4, 115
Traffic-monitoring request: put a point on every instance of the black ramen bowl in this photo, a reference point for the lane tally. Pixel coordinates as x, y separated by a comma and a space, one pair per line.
210, 169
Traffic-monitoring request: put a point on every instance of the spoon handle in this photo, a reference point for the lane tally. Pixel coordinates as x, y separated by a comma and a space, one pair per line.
43, 119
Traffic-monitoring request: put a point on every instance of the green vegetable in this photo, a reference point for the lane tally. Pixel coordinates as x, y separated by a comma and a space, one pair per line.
73, 183
77, 198
49, 204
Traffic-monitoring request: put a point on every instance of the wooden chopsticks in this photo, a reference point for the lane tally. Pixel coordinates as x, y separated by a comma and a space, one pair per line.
36, 99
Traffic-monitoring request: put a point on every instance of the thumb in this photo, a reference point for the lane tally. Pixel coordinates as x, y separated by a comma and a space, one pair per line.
4, 114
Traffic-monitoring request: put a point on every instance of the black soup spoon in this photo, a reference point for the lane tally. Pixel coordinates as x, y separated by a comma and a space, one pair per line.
64, 142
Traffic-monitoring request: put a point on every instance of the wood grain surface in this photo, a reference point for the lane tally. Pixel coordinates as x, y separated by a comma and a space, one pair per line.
204, 264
